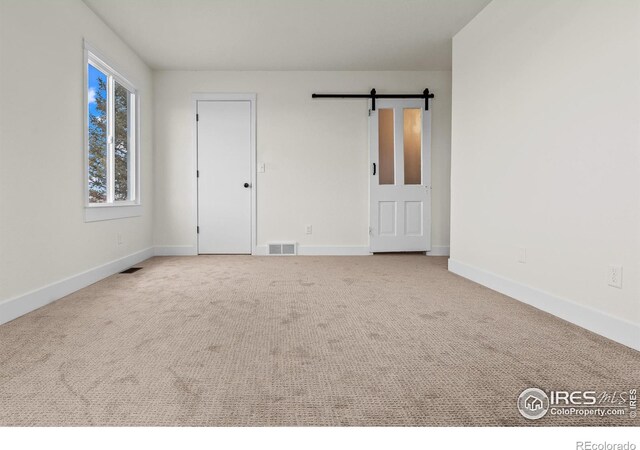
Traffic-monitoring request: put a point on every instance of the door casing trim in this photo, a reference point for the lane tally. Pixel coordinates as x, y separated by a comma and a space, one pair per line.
225, 96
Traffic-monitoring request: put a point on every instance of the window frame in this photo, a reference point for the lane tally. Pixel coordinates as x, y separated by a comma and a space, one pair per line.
112, 209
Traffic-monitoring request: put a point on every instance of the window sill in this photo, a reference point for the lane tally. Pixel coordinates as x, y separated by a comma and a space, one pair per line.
111, 212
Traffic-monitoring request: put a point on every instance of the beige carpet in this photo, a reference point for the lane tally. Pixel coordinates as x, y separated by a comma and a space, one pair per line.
238, 340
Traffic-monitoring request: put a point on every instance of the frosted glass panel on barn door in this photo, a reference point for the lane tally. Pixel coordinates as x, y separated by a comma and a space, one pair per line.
412, 134
386, 154
400, 177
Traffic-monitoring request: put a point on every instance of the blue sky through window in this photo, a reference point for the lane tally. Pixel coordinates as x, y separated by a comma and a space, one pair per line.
94, 75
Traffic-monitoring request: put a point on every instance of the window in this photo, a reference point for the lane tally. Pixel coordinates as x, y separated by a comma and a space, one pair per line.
111, 142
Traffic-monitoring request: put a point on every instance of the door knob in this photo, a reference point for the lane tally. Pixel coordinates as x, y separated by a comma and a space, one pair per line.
247, 185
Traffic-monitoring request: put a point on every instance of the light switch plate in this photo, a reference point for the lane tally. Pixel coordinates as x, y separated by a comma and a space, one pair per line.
522, 255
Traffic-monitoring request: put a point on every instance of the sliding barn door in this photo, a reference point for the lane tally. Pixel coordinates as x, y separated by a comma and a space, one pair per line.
400, 173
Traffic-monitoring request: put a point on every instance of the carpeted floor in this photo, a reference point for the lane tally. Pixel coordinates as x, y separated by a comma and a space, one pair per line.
239, 340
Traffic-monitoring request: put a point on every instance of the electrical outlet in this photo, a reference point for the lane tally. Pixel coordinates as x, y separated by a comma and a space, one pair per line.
614, 276
120, 239
309, 229
522, 255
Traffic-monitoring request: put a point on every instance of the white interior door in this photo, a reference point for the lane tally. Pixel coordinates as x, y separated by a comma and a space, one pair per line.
224, 176
400, 172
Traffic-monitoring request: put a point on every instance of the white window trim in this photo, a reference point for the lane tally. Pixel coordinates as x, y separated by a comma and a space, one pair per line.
123, 209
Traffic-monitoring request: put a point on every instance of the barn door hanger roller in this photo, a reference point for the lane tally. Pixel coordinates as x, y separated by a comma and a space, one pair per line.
426, 95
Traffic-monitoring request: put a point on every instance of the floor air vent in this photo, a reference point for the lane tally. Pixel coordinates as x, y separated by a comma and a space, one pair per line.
131, 270
281, 249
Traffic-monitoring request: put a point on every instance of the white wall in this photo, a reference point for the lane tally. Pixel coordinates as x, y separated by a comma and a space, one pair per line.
43, 236
546, 150
315, 151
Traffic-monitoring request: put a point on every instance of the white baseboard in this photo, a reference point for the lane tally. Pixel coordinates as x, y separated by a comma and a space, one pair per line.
438, 250
176, 250
189, 250
594, 320
309, 250
17, 306
305, 250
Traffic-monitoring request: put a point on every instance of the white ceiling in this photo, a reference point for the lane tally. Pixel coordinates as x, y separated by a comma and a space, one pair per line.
290, 34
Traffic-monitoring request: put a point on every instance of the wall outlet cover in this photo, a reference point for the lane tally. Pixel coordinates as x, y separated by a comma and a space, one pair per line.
614, 276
